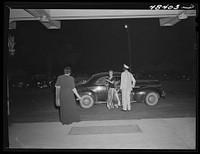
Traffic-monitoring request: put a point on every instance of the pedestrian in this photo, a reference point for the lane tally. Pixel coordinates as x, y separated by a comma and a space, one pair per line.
65, 90
127, 83
112, 92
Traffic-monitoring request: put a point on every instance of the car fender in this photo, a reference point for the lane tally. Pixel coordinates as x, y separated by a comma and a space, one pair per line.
145, 90
90, 93
141, 93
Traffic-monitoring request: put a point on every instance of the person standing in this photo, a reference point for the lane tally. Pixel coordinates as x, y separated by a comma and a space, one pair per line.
127, 83
65, 90
112, 92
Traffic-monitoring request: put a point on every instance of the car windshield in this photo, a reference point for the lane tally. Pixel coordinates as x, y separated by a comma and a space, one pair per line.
102, 81
96, 77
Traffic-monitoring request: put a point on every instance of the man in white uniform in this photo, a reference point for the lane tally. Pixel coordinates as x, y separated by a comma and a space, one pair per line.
127, 83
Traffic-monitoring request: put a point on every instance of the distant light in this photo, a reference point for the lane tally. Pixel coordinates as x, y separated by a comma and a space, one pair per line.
126, 26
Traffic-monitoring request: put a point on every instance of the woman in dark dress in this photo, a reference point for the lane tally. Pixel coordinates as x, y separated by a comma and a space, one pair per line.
65, 90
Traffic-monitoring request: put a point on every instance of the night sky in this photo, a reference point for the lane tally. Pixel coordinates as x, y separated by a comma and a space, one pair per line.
91, 46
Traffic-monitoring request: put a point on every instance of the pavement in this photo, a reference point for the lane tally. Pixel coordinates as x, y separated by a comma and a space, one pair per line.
163, 133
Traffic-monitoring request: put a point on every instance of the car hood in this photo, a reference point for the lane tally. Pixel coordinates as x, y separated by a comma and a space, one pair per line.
80, 86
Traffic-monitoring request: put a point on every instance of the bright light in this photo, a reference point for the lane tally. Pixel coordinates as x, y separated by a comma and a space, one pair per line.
126, 26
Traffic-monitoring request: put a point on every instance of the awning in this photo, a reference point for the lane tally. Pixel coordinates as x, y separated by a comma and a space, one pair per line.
51, 18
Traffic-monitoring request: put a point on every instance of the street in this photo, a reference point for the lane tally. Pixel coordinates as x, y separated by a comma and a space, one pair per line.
37, 105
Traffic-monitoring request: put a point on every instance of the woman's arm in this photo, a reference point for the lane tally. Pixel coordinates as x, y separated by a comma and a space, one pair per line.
76, 93
109, 81
57, 95
133, 81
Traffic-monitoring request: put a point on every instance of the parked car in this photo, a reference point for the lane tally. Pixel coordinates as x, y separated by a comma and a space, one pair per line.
95, 90
39, 81
53, 81
19, 83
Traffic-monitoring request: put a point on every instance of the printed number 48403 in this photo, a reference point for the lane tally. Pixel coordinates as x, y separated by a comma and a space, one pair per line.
165, 7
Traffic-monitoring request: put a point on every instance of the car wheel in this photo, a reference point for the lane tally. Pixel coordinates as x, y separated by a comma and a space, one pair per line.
151, 98
87, 101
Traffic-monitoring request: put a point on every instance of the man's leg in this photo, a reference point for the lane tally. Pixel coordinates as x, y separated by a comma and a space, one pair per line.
117, 96
126, 104
109, 99
128, 100
124, 99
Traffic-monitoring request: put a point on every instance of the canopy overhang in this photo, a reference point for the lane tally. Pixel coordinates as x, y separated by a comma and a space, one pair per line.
51, 18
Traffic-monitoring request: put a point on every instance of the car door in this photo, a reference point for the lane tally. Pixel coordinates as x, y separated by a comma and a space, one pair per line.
102, 89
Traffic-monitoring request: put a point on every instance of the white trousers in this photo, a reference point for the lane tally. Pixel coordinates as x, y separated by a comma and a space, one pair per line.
126, 99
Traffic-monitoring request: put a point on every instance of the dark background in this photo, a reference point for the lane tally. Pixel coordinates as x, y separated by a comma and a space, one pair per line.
91, 46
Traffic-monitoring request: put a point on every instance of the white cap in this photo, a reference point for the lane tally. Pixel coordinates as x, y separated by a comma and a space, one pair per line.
125, 66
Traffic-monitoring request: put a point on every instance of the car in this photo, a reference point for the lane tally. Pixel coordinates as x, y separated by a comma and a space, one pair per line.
39, 81
95, 90
17, 83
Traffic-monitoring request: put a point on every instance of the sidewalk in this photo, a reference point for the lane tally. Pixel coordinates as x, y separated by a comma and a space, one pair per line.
173, 133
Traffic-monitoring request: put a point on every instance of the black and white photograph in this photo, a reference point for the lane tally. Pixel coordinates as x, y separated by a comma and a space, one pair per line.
100, 76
